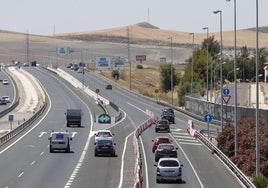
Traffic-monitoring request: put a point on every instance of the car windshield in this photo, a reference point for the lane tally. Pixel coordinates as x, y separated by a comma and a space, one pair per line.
105, 142
168, 110
169, 163
166, 113
163, 140
166, 147
59, 136
162, 122
104, 134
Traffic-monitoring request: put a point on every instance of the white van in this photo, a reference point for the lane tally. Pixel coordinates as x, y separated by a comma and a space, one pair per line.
59, 141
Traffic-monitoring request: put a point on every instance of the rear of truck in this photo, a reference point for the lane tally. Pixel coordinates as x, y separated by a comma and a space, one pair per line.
73, 117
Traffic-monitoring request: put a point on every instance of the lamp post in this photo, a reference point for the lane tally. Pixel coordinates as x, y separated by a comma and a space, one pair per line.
235, 83
171, 70
221, 85
192, 72
206, 28
257, 93
231, 72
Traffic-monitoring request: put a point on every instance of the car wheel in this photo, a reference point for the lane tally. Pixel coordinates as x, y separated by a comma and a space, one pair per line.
157, 181
179, 180
96, 154
50, 149
68, 150
156, 130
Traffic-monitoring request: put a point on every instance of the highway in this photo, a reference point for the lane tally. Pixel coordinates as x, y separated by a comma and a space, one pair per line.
201, 168
6, 90
28, 163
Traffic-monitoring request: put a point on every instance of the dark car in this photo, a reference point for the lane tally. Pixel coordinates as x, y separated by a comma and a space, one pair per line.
162, 125
109, 86
168, 116
160, 140
168, 109
165, 150
3, 102
104, 146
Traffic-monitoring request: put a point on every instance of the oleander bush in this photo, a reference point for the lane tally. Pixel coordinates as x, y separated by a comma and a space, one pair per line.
246, 152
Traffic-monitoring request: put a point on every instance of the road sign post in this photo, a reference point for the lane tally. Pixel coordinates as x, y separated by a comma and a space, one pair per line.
10, 119
208, 119
226, 97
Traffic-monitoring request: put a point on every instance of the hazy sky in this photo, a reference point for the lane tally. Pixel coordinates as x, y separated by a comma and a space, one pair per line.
40, 16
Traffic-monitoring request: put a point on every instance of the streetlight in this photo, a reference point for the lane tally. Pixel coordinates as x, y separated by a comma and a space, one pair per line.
235, 84
257, 93
216, 12
206, 28
192, 72
171, 70
231, 72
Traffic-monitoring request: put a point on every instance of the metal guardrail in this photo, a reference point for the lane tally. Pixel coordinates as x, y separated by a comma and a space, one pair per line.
24, 125
240, 175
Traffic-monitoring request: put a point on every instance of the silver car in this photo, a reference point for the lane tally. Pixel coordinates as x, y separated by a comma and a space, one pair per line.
168, 169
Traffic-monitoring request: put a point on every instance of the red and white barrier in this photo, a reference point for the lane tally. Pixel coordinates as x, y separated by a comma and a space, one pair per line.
139, 130
190, 129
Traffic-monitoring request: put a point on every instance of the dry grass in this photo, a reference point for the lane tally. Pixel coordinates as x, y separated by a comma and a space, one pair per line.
145, 81
139, 32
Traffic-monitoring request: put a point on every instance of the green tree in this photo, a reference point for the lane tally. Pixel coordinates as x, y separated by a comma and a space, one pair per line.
165, 77
213, 46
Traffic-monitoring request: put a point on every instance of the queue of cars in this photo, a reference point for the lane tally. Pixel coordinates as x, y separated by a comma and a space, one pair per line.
168, 166
104, 143
4, 100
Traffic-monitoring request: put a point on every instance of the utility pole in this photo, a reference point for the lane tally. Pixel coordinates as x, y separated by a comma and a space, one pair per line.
27, 48
128, 56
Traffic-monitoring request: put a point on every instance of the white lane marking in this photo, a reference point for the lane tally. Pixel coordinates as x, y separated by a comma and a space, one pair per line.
136, 107
82, 157
32, 163
73, 134
41, 134
145, 161
191, 144
42, 153
122, 161
20, 174
201, 184
186, 140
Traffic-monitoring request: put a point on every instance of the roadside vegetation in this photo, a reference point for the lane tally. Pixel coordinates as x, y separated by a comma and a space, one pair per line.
155, 81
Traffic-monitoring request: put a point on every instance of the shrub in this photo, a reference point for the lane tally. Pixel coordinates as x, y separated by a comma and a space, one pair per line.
260, 181
139, 67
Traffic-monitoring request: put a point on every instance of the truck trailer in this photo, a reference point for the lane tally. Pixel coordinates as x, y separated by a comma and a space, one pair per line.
73, 117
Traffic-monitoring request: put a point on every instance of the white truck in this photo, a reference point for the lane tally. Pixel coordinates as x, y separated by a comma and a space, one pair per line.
59, 141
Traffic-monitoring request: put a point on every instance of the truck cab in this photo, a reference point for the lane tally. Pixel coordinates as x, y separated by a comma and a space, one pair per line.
59, 141
73, 117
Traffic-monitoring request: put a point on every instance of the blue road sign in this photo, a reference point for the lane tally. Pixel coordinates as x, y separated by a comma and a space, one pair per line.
10, 118
226, 91
208, 118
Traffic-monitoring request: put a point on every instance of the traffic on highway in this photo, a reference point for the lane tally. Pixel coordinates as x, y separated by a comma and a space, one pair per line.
97, 154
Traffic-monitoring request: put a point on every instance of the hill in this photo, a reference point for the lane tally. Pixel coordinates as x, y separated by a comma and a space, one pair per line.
145, 33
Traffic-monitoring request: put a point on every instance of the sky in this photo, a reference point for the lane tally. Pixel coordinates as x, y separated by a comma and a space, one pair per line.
48, 17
